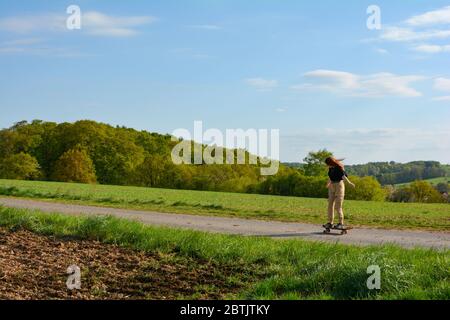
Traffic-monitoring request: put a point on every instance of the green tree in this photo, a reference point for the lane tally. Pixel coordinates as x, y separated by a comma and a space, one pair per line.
74, 166
157, 171
19, 166
422, 191
8, 140
315, 163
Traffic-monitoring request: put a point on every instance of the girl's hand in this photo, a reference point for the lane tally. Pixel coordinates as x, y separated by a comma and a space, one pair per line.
352, 184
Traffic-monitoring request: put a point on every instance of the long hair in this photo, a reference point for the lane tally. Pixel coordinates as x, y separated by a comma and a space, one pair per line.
333, 162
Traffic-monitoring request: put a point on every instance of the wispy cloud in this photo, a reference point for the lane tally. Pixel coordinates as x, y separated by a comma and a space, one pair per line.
49, 22
381, 51
37, 47
374, 85
428, 48
19, 45
435, 17
22, 42
442, 99
190, 53
401, 34
92, 23
261, 83
100, 24
442, 84
421, 32
210, 27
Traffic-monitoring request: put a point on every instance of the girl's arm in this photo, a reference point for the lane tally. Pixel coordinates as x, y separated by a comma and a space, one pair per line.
349, 182
328, 183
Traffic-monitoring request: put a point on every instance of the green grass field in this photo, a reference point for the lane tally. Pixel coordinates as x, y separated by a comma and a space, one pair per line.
367, 213
290, 269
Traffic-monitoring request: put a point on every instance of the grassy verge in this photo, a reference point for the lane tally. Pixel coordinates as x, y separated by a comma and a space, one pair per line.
291, 269
291, 209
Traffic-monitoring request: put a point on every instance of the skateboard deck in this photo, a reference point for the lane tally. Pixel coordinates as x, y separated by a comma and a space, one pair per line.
343, 230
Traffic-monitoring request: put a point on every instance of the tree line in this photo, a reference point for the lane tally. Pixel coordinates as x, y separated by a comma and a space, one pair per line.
396, 173
91, 152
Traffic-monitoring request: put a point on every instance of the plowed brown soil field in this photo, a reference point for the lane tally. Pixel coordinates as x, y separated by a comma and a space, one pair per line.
34, 266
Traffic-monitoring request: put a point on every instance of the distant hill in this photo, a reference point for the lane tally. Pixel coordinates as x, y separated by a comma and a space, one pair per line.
433, 181
396, 173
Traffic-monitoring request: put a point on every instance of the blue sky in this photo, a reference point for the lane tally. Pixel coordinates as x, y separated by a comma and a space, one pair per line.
311, 69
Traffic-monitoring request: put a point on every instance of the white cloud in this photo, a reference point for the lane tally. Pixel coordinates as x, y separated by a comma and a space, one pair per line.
428, 27
37, 47
280, 110
211, 27
335, 79
97, 23
374, 85
401, 34
442, 99
440, 16
261, 83
22, 42
365, 145
428, 48
19, 45
442, 84
381, 51
388, 84
92, 23
34, 23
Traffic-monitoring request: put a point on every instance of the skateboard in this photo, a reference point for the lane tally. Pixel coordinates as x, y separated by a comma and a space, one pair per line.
343, 230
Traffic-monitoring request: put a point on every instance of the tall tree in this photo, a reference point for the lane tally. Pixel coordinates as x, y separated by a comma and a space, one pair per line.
315, 162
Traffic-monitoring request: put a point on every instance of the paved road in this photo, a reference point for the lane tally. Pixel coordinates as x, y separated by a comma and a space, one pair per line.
274, 229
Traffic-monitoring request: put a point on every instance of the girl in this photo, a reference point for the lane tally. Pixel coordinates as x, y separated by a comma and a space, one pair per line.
336, 191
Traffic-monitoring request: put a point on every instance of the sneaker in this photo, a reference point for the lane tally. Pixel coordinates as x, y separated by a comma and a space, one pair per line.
328, 226
339, 226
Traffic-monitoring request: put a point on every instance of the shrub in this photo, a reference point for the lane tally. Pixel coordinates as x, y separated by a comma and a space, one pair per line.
417, 191
314, 187
366, 188
422, 191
